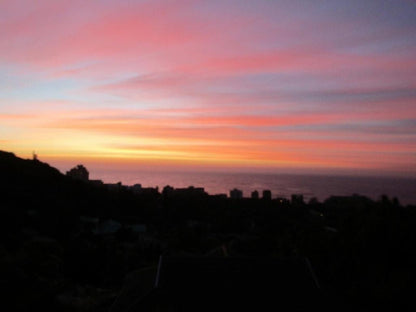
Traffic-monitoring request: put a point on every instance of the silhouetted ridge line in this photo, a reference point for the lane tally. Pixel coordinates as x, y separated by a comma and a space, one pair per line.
70, 244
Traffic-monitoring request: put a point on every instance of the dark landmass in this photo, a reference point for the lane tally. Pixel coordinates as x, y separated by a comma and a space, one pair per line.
70, 244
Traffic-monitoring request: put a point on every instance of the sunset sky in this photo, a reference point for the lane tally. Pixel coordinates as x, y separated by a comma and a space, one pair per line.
275, 86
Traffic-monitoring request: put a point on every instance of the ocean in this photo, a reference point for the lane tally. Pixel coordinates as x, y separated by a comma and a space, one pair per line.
281, 185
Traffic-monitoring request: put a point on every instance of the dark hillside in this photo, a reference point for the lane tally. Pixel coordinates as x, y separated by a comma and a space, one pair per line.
70, 245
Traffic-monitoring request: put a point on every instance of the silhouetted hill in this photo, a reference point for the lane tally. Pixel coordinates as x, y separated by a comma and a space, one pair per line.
74, 241
34, 184
32, 187
15, 169
18, 173
51, 259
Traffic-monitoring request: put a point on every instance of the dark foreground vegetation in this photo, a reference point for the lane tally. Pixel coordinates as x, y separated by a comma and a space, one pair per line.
70, 245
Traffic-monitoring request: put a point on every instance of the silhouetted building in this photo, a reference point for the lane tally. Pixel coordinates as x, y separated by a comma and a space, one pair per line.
190, 191
255, 195
114, 186
282, 200
186, 192
235, 193
136, 188
313, 201
79, 172
97, 182
167, 191
297, 200
267, 194
150, 191
219, 196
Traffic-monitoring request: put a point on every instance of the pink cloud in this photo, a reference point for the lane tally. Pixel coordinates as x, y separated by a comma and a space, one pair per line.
161, 34
259, 81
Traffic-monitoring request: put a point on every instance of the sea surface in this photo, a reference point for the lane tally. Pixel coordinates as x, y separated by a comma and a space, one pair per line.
281, 185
